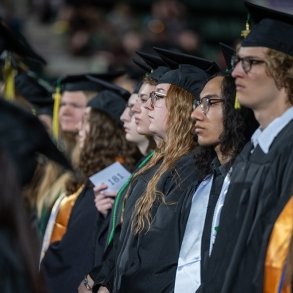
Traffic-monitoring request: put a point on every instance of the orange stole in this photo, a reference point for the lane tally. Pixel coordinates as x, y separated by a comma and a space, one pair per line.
63, 215
278, 250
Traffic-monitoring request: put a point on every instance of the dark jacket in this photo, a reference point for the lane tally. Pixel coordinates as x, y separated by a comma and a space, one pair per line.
67, 262
261, 184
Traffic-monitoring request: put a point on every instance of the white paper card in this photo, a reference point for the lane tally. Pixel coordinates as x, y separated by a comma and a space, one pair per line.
114, 176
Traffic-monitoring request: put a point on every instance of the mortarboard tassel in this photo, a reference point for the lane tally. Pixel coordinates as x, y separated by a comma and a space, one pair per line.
57, 101
246, 31
9, 75
236, 103
244, 34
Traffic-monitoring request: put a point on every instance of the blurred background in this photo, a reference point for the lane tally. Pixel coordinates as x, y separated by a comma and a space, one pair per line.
96, 35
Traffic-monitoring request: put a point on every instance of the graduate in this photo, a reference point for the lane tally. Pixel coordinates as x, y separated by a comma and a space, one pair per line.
260, 183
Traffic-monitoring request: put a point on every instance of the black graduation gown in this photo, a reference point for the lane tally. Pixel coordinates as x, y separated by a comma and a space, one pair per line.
104, 270
260, 186
13, 274
67, 262
147, 262
104, 275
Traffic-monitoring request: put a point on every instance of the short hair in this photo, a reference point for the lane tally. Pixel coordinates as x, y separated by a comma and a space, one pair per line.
150, 80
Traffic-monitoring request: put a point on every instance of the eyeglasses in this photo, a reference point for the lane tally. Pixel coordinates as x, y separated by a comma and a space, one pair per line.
246, 62
156, 96
206, 102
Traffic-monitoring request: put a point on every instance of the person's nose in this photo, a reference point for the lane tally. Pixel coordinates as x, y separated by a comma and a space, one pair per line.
136, 108
238, 70
197, 114
148, 105
125, 115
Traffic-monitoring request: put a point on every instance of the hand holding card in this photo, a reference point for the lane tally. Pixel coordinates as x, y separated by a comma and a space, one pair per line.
114, 176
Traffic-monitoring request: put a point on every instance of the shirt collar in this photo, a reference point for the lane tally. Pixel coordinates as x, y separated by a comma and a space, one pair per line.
264, 138
218, 168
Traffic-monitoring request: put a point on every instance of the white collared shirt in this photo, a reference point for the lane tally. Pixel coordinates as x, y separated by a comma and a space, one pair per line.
188, 270
264, 138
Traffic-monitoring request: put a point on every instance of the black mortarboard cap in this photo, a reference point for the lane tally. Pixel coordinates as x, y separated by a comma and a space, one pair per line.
174, 58
23, 136
228, 52
186, 76
158, 66
142, 65
15, 42
109, 102
112, 99
36, 90
105, 85
274, 28
80, 82
157, 73
152, 60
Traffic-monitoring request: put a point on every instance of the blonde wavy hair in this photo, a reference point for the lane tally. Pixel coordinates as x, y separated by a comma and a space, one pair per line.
280, 67
179, 142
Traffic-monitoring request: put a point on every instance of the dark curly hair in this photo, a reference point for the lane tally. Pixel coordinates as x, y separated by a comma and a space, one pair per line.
105, 143
239, 125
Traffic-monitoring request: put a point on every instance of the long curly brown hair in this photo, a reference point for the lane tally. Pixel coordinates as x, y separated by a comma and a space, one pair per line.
179, 142
105, 143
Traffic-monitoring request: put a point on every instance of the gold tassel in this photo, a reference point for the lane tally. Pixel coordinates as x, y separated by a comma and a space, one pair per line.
244, 34
57, 101
236, 103
9, 75
246, 31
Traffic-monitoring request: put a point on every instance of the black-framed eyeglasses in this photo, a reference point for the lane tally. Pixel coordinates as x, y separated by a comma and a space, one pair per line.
206, 102
154, 96
246, 62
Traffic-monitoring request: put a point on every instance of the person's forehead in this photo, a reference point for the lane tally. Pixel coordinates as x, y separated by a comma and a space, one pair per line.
132, 98
252, 51
146, 88
212, 87
163, 87
77, 96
